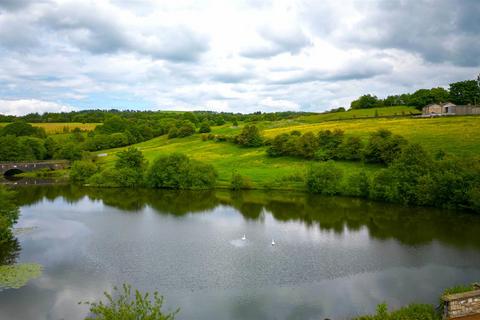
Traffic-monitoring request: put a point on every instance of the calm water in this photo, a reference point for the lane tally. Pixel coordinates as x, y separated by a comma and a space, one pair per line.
334, 257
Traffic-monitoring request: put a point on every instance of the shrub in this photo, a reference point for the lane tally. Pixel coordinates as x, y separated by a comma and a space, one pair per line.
105, 178
240, 182
127, 305
324, 178
172, 133
383, 147
185, 129
307, 145
358, 185
277, 147
350, 149
130, 158
413, 163
382, 187
204, 127
82, 170
410, 312
250, 137
177, 171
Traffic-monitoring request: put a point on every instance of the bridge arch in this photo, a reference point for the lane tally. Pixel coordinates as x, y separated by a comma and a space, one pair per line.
12, 172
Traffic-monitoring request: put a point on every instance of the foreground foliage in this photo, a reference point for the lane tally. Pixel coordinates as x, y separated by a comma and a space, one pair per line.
410, 312
128, 305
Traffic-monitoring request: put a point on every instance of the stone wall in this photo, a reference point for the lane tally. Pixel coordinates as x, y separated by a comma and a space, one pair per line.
462, 304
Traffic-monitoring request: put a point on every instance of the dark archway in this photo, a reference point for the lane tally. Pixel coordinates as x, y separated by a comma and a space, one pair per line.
12, 172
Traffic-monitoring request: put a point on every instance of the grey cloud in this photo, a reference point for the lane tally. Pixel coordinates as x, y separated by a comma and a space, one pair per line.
278, 42
103, 33
439, 31
355, 70
232, 77
14, 4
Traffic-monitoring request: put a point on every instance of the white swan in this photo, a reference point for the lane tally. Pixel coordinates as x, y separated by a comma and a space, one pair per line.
244, 237
273, 242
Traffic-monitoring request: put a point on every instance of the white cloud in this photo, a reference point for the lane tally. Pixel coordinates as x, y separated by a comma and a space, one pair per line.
230, 55
26, 106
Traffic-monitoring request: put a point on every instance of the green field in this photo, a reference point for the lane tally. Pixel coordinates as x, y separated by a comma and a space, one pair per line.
55, 128
456, 135
361, 113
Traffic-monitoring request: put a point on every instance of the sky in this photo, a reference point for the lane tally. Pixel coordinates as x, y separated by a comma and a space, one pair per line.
226, 55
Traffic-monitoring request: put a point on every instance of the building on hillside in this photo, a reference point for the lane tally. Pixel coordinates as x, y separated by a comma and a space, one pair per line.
449, 109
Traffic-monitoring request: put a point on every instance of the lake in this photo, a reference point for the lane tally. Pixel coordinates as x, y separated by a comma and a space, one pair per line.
333, 257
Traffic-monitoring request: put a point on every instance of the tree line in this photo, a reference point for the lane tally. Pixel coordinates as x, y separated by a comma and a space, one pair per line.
175, 171
461, 93
196, 117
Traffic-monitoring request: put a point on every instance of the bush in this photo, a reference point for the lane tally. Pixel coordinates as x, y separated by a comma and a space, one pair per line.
410, 312
186, 129
350, 149
250, 137
204, 127
382, 187
240, 182
172, 133
126, 305
358, 185
383, 147
82, 170
177, 171
307, 145
324, 178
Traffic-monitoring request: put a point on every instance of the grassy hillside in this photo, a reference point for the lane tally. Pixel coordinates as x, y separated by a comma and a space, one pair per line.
361, 113
457, 135
55, 128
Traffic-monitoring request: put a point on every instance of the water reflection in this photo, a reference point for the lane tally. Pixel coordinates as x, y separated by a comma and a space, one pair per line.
187, 245
412, 226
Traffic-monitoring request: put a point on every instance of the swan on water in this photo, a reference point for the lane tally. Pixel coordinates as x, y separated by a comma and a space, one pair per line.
273, 242
244, 237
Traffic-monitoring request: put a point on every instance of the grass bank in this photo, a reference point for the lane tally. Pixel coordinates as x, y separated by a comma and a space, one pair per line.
455, 135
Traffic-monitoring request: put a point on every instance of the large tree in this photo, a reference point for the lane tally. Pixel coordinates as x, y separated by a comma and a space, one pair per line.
365, 102
465, 92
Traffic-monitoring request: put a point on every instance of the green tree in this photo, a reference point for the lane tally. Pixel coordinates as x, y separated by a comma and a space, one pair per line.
177, 171
204, 127
324, 178
82, 170
465, 92
250, 137
185, 129
21, 128
307, 145
383, 147
358, 185
413, 163
350, 149
130, 168
366, 102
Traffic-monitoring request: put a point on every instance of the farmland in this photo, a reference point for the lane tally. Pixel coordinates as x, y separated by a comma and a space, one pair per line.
57, 128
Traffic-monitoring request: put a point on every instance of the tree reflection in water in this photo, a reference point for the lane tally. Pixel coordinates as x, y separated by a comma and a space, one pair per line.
409, 225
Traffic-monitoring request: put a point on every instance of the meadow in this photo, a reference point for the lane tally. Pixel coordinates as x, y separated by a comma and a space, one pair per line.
455, 135
361, 113
61, 127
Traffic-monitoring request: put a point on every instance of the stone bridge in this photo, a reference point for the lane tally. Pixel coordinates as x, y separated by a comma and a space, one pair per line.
12, 168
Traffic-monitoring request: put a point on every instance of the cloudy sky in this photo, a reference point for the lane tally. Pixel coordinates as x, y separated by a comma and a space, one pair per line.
227, 55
